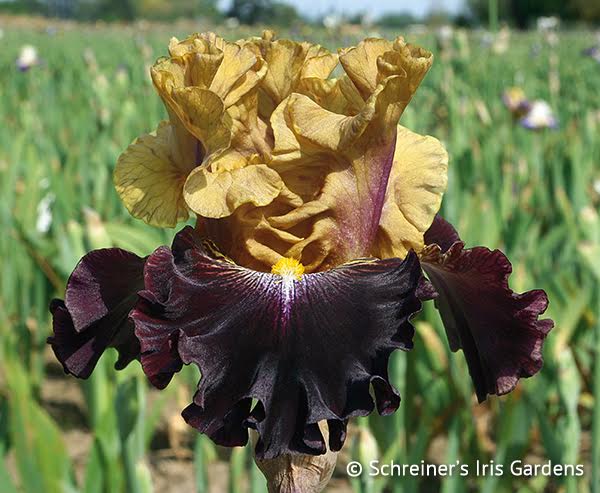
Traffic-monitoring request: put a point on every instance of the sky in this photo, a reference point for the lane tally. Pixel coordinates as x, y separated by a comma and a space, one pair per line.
312, 8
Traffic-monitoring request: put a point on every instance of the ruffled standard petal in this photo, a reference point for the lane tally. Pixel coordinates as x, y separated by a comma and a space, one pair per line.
336, 167
219, 194
204, 76
498, 330
289, 65
418, 180
307, 350
373, 61
209, 88
150, 174
100, 293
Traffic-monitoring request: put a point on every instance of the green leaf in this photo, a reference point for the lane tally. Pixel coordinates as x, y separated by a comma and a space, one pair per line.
42, 458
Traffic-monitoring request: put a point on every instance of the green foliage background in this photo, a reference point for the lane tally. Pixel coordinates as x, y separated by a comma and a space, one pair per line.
535, 195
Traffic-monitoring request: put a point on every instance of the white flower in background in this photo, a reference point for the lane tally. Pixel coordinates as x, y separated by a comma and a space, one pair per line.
28, 57
486, 38
552, 38
547, 23
44, 183
417, 29
501, 41
44, 214
540, 115
444, 34
367, 20
232, 23
332, 21
588, 214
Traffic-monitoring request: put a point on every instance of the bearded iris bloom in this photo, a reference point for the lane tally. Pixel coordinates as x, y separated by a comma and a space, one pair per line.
533, 115
28, 58
539, 116
316, 217
592, 52
516, 102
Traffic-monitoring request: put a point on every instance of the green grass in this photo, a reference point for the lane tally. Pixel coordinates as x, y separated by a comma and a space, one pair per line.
530, 194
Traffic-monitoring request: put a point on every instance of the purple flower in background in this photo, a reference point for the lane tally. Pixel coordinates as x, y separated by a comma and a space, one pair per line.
592, 52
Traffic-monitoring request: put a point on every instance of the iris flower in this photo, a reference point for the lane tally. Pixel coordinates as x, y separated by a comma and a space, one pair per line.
28, 58
315, 219
593, 52
539, 116
516, 102
534, 115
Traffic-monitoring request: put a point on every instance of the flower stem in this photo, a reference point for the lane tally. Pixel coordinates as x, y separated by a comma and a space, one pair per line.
296, 473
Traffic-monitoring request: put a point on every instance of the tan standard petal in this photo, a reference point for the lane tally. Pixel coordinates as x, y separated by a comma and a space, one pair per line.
360, 63
375, 60
416, 185
239, 73
203, 81
288, 64
219, 194
149, 178
203, 114
339, 164
337, 95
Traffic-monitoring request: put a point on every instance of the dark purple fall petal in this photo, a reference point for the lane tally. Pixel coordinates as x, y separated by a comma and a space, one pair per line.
100, 293
425, 290
441, 233
498, 330
304, 351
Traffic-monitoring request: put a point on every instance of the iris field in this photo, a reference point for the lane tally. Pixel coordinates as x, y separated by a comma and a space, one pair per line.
535, 195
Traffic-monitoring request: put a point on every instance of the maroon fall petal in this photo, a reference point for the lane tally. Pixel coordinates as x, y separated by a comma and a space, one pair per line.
441, 233
498, 330
104, 281
301, 350
100, 293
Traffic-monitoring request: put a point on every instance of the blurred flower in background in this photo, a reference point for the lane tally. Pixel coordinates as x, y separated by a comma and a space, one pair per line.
28, 58
501, 41
44, 214
332, 21
593, 52
232, 23
89, 57
515, 101
539, 116
545, 24
444, 36
534, 115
